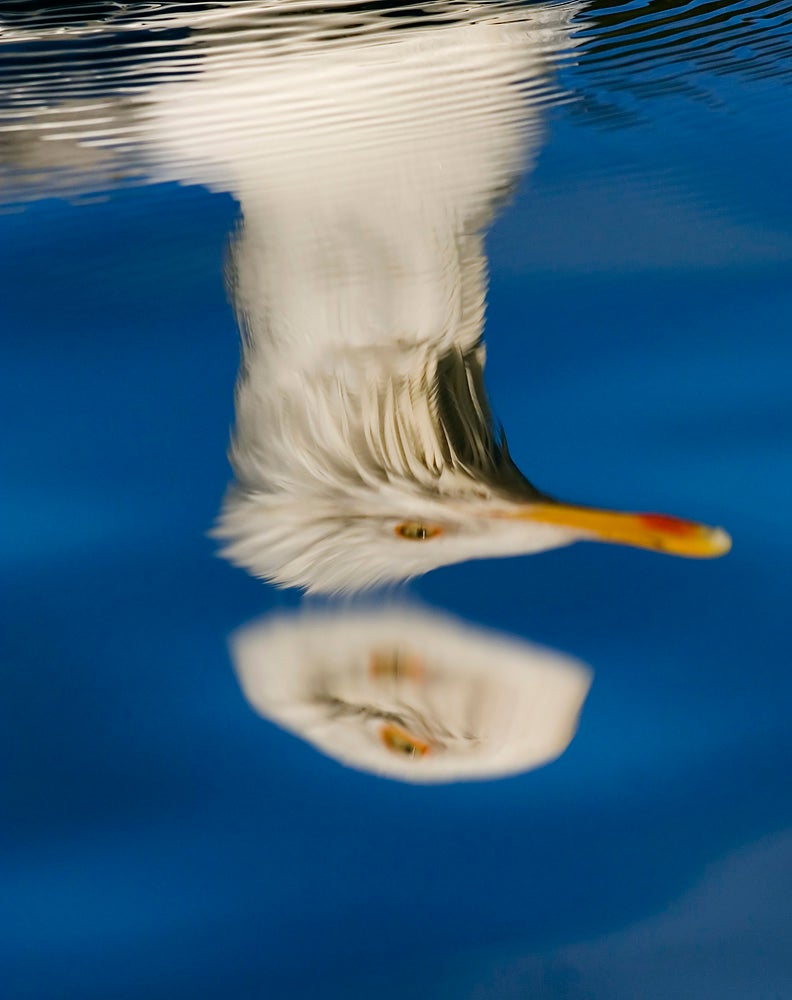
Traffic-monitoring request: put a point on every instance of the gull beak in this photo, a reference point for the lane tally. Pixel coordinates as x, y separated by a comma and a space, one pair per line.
658, 532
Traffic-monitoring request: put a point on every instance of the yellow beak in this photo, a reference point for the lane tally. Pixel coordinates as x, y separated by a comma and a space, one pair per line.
658, 532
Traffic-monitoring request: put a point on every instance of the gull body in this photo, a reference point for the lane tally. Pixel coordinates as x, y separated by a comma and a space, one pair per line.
367, 171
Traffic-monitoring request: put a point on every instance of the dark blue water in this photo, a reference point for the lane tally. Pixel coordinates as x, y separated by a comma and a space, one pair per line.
161, 840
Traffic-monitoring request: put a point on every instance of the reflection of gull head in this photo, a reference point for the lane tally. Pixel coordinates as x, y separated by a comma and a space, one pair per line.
412, 695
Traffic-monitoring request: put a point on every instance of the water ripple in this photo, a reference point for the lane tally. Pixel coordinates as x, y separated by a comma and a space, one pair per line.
637, 51
77, 82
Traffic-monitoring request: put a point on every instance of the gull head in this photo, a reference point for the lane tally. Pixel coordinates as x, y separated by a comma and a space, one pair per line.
360, 482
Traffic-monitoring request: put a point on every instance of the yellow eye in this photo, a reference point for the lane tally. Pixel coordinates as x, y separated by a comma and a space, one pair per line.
398, 740
417, 531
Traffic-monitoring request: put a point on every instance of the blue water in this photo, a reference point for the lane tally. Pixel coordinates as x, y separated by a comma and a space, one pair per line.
161, 840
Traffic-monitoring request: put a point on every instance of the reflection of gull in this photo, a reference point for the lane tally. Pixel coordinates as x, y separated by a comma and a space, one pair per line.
411, 695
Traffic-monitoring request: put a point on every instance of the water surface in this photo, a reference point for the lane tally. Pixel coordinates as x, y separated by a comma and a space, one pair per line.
628, 164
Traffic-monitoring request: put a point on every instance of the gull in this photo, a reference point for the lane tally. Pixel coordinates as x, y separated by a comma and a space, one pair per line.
410, 694
367, 170
368, 155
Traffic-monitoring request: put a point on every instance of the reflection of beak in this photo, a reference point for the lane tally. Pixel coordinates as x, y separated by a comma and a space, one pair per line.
394, 665
646, 531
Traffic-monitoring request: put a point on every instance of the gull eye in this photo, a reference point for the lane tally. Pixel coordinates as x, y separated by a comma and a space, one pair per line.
399, 741
417, 531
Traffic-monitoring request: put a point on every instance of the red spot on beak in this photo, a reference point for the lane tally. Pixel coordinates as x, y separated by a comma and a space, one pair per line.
669, 525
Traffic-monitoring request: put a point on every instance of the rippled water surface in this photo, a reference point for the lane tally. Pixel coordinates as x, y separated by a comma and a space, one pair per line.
412, 734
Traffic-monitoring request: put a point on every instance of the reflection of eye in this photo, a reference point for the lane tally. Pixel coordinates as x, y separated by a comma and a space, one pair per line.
416, 531
399, 741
